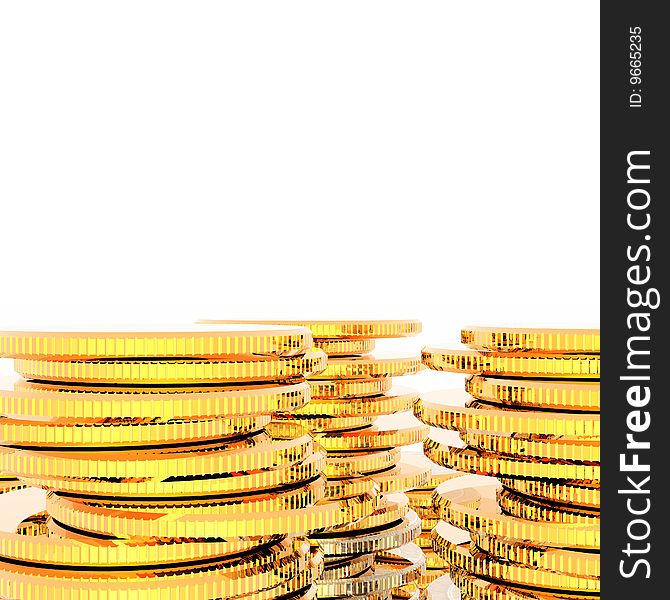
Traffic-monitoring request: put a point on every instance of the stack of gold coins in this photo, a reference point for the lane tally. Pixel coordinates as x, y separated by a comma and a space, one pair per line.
421, 502
166, 477
362, 421
529, 417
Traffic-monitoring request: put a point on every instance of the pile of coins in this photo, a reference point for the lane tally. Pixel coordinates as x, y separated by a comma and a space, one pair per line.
421, 502
530, 418
166, 476
351, 399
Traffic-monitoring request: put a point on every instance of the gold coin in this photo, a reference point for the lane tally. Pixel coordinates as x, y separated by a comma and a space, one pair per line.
421, 499
475, 588
396, 533
279, 446
338, 489
442, 588
519, 506
33, 526
405, 476
445, 409
437, 475
340, 464
434, 560
534, 393
555, 491
512, 339
391, 569
148, 550
9, 484
411, 591
374, 437
585, 451
562, 366
348, 329
215, 484
482, 565
185, 372
81, 551
477, 462
397, 400
282, 577
428, 523
30, 399
391, 508
192, 342
573, 562
319, 423
50, 552
424, 541
349, 388
469, 503
426, 579
273, 515
343, 347
365, 367
424, 512
340, 567
53, 433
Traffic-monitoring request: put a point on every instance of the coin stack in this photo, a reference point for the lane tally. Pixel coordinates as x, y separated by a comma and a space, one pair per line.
421, 502
348, 414
165, 475
530, 417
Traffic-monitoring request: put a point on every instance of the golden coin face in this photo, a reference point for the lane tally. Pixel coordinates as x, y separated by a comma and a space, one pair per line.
348, 329
508, 364
513, 339
177, 372
213, 341
365, 367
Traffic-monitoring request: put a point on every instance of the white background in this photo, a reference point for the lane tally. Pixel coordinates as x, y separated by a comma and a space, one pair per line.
177, 160
169, 161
